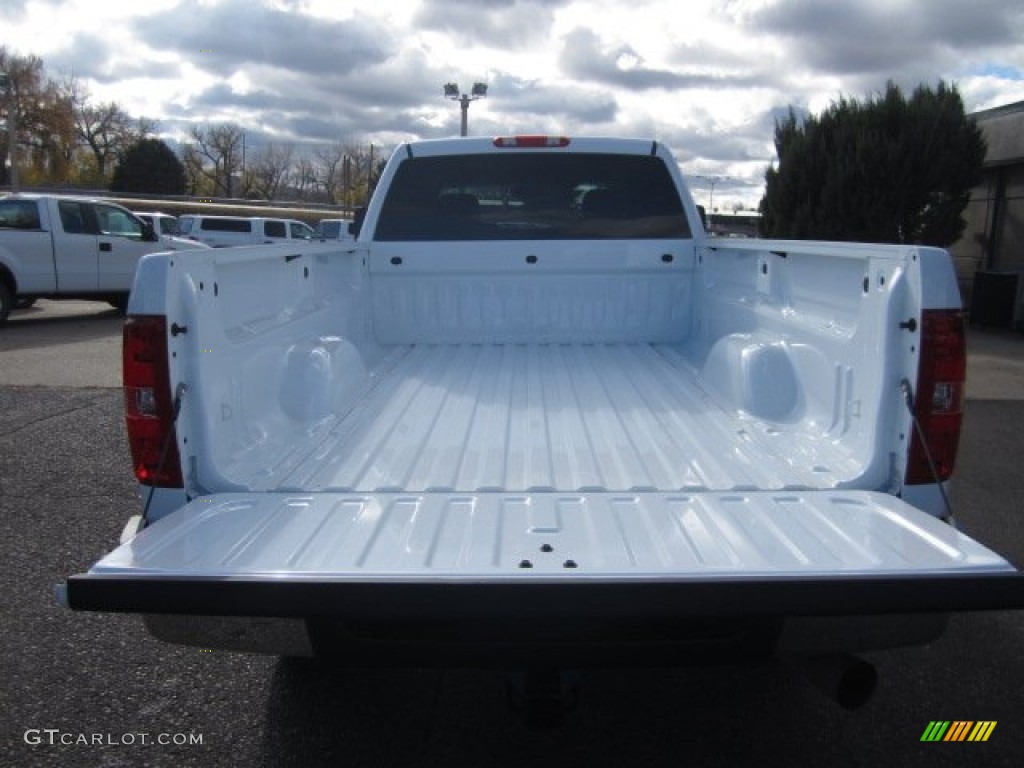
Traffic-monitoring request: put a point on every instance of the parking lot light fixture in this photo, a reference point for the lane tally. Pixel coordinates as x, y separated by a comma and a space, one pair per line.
452, 91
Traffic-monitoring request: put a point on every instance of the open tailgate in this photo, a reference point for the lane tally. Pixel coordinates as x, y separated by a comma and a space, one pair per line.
805, 553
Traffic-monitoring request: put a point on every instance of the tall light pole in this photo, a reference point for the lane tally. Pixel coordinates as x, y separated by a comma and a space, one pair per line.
712, 180
7, 85
451, 91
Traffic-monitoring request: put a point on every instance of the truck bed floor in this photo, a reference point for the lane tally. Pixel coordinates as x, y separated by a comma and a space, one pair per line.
539, 417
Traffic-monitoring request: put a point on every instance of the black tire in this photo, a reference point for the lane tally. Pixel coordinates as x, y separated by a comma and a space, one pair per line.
120, 303
6, 301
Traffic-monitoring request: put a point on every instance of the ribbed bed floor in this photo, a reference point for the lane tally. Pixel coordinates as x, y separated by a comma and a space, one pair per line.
575, 417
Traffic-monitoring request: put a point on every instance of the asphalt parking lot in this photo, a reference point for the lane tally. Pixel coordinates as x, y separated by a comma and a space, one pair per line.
66, 491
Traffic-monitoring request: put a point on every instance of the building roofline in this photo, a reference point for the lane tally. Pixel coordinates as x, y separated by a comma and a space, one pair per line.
1005, 109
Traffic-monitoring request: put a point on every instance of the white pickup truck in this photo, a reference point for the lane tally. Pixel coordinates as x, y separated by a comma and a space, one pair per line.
534, 416
55, 246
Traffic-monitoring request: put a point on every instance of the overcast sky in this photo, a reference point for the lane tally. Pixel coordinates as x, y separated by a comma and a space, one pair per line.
708, 77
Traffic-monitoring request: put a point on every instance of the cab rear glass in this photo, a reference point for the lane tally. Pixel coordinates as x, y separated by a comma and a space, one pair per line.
532, 196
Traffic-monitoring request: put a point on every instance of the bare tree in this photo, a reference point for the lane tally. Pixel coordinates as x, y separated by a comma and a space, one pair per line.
54, 141
305, 177
196, 182
330, 170
144, 128
269, 169
361, 169
45, 140
219, 152
364, 169
104, 129
62, 137
355, 176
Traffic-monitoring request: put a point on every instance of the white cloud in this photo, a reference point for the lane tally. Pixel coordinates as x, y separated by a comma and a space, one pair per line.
705, 76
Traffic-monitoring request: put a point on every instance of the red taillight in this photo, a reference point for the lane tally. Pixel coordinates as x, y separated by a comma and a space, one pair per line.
148, 406
939, 400
531, 141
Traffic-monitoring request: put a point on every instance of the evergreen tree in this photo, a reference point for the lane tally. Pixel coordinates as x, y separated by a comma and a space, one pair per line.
149, 166
885, 170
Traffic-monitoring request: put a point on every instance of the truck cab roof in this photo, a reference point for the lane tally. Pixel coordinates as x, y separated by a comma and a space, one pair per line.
478, 145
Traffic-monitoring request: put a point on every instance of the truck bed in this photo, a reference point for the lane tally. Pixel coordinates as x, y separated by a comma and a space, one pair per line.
543, 417
506, 423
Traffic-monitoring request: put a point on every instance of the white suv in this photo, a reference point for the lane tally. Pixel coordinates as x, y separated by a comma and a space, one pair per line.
222, 231
164, 224
335, 229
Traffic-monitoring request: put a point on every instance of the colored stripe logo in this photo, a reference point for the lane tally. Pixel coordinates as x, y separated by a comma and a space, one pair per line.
958, 730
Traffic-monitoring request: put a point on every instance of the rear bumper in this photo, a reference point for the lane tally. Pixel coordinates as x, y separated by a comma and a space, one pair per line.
537, 599
566, 625
575, 625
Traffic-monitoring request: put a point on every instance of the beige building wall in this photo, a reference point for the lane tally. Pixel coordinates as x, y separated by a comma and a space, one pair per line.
993, 241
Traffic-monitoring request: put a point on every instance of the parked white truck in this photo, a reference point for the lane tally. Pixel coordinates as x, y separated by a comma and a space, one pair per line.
54, 246
534, 416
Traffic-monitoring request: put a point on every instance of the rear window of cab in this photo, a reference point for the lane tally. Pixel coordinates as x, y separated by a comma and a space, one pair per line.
534, 196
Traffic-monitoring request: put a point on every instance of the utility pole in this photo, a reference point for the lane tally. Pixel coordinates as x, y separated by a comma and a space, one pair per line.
369, 176
346, 182
451, 91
